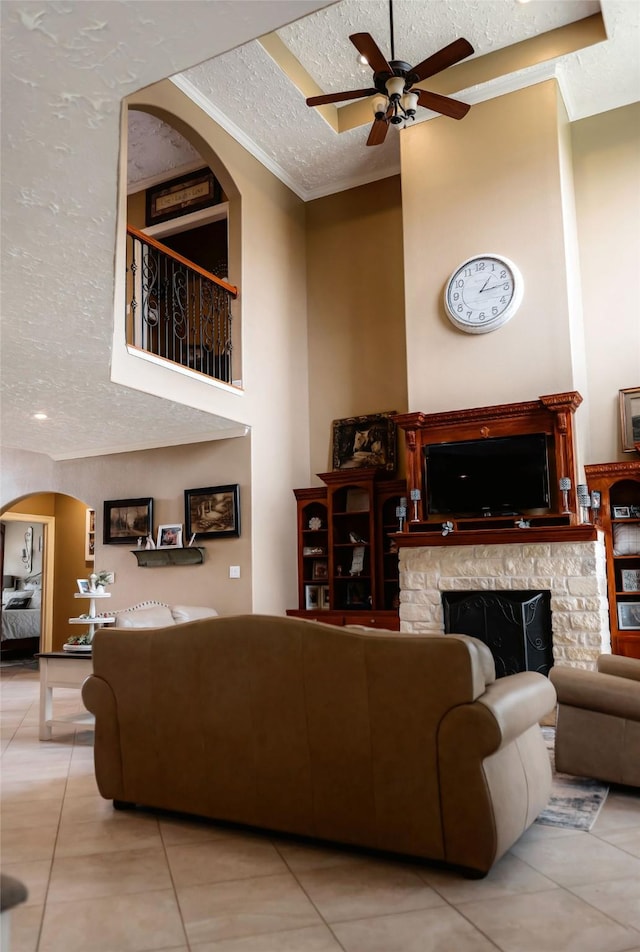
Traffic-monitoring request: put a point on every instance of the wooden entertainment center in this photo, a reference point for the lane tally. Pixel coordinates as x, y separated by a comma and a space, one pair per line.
357, 509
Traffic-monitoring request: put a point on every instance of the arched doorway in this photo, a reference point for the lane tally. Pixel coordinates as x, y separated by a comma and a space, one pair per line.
58, 525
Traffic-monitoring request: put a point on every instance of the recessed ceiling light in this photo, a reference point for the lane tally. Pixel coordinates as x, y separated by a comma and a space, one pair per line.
40, 416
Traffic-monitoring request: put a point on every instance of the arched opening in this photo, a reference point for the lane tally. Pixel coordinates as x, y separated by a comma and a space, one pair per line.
180, 196
59, 529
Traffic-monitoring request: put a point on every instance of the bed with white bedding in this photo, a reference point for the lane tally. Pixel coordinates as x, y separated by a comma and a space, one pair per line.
21, 618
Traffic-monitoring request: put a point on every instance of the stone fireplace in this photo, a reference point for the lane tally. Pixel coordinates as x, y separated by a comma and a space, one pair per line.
574, 572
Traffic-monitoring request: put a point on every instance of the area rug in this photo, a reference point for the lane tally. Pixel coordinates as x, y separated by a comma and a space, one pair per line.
575, 801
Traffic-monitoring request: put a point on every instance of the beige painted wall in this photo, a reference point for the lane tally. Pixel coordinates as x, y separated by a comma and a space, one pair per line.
267, 262
606, 154
355, 309
163, 474
490, 183
520, 168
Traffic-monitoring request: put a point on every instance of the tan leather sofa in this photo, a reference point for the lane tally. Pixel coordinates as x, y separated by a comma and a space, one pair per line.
396, 742
598, 720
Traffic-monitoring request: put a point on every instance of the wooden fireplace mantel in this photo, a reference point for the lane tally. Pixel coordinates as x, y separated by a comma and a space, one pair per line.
551, 414
502, 535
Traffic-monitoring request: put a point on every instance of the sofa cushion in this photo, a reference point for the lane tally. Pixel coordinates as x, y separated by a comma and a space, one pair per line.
182, 613
156, 616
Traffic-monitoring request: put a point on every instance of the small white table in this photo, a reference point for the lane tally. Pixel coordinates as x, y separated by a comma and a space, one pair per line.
61, 669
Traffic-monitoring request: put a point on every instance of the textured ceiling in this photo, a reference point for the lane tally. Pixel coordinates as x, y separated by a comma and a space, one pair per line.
65, 69
254, 99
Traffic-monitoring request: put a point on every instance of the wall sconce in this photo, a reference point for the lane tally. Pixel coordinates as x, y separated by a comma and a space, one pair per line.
27, 553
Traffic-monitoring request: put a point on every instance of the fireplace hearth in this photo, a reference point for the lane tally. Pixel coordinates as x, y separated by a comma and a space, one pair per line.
516, 626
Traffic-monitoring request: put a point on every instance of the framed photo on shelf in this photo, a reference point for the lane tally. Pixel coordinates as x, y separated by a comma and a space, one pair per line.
212, 512
621, 512
628, 615
312, 597
630, 418
324, 598
169, 536
83, 585
364, 441
630, 579
126, 520
320, 569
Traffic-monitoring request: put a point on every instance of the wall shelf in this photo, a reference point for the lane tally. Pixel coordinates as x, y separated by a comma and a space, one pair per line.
154, 558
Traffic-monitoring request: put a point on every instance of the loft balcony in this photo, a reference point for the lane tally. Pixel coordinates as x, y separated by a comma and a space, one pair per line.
176, 310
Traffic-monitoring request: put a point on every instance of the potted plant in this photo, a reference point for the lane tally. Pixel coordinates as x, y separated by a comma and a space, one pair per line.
98, 581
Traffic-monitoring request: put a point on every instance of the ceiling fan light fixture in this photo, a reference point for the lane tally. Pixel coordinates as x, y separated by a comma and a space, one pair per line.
409, 103
380, 105
395, 87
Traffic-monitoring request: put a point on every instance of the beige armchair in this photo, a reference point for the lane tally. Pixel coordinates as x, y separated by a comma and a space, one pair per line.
598, 723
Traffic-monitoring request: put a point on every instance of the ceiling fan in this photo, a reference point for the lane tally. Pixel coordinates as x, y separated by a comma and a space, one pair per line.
393, 81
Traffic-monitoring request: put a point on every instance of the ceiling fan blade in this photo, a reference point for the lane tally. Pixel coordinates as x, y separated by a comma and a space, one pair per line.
378, 132
443, 104
340, 97
444, 58
367, 46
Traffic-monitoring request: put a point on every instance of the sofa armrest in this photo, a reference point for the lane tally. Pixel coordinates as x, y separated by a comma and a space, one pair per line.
620, 666
596, 691
518, 702
99, 699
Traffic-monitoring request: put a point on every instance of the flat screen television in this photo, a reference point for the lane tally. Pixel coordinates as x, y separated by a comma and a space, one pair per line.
497, 476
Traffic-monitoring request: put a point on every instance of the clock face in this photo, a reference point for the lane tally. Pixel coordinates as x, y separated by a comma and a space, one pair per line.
483, 293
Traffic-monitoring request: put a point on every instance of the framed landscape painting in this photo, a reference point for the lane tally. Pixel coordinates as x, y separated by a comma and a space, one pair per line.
126, 520
213, 512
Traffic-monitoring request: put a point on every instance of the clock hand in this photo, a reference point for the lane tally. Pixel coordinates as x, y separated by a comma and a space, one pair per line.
484, 285
492, 288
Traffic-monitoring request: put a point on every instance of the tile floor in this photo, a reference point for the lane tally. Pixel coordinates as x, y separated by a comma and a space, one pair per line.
105, 881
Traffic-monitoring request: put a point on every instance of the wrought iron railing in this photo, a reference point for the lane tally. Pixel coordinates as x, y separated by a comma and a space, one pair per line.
177, 310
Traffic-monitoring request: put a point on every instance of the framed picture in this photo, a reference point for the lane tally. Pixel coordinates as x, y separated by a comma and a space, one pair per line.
324, 598
126, 520
83, 585
621, 512
320, 569
630, 580
213, 512
628, 615
630, 418
358, 595
188, 193
312, 594
90, 536
169, 536
364, 441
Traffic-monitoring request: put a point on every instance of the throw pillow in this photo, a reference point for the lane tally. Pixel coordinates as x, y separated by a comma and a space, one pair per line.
626, 539
156, 616
18, 601
182, 613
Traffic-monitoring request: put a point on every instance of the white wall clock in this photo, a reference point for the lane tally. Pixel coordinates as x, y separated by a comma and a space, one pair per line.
483, 293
